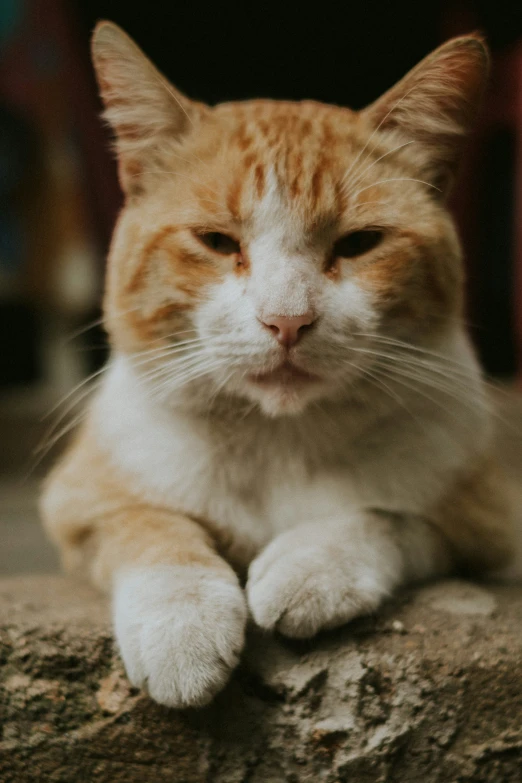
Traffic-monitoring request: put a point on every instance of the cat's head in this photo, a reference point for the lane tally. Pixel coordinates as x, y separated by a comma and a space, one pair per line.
266, 249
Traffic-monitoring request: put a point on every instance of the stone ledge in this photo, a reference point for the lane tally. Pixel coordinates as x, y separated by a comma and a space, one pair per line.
428, 691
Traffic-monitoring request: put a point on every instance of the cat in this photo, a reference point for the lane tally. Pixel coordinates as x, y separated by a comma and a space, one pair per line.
293, 422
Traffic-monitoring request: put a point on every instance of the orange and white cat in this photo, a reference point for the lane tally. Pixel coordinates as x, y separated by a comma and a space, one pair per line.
293, 422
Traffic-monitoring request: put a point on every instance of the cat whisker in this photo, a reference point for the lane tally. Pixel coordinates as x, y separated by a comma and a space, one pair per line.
419, 363
450, 368
80, 396
79, 393
459, 391
401, 344
47, 443
43, 448
397, 179
379, 126
180, 358
419, 390
434, 373
119, 316
353, 181
174, 347
168, 350
78, 332
72, 391
452, 384
381, 377
164, 369
377, 381
174, 382
363, 203
219, 388
76, 396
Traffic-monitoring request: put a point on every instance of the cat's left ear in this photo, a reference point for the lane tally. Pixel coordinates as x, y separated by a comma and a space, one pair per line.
436, 104
142, 107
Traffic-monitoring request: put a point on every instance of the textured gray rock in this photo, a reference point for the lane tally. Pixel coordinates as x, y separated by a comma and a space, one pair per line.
428, 691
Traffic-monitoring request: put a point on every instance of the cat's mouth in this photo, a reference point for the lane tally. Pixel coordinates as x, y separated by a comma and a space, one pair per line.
286, 374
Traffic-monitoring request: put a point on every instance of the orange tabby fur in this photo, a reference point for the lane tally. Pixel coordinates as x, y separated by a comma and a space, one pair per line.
188, 169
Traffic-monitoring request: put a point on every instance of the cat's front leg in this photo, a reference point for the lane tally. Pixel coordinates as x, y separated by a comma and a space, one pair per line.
179, 612
321, 575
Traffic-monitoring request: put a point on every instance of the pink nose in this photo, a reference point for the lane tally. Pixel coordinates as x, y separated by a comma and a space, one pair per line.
288, 330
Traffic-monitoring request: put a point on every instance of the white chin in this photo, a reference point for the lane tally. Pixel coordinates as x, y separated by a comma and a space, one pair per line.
281, 400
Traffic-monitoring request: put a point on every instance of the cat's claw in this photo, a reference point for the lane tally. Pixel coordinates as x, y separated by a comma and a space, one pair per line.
180, 631
299, 589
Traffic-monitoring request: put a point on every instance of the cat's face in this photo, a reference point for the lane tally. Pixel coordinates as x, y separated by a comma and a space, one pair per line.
265, 246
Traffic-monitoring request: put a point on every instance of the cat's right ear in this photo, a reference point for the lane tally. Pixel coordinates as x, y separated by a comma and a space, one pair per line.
142, 107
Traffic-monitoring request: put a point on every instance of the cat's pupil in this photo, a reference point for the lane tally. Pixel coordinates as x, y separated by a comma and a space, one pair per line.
357, 243
221, 243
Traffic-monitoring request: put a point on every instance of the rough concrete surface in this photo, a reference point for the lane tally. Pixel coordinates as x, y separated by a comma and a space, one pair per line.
428, 691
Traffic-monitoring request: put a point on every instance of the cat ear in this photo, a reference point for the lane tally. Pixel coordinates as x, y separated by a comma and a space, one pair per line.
436, 103
142, 107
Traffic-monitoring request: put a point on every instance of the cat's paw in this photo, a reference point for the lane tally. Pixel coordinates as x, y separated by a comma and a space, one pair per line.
307, 580
180, 630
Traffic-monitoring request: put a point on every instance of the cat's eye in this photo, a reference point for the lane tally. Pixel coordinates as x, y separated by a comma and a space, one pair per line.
357, 243
221, 243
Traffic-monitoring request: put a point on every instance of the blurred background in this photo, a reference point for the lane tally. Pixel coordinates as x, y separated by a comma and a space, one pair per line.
59, 195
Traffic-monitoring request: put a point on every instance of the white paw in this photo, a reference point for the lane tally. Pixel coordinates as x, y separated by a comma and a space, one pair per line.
180, 630
321, 576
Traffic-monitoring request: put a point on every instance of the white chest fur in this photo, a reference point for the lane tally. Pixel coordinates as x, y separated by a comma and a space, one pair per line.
255, 478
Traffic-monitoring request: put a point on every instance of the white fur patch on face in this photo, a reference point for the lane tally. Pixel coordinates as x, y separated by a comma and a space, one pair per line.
284, 278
